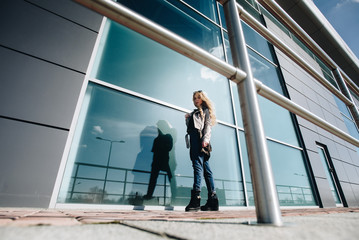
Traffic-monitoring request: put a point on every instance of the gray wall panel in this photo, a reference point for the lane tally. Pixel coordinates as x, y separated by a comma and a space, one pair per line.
349, 194
309, 138
30, 158
36, 90
351, 173
339, 169
355, 188
72, 11
37, 32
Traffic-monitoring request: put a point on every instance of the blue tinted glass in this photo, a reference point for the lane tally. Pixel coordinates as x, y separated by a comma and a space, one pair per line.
347, 118
237, 104
291, 178
342, 107
228, 48
277, 122
257, 42
207, 7
130, 60
111, 156
246, 168
353, 130
225, 165
265, 71
183, 21
223, 19
323, 158
290, 175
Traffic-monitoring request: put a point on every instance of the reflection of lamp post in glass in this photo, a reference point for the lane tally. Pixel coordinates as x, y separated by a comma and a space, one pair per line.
108, 161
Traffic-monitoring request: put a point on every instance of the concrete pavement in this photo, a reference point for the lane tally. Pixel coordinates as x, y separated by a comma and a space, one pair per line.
311, 223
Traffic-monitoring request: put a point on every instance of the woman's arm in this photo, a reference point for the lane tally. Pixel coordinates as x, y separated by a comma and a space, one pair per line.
207, 128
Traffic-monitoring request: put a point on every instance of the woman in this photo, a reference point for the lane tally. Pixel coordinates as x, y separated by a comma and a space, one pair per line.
199, 124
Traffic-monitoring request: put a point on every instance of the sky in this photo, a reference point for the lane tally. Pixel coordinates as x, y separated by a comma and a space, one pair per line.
344, 17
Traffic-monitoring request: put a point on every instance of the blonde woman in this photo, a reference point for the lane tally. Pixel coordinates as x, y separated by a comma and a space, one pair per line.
199, 124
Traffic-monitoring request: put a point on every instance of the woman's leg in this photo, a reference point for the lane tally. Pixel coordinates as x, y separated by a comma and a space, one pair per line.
208, 177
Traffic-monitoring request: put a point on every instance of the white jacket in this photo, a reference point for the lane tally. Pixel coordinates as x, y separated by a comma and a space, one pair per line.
203, 125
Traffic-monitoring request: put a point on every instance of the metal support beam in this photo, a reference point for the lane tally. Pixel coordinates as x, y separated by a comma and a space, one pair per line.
264, 188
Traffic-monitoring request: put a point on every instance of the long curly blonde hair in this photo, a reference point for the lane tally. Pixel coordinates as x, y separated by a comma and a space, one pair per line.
206, 102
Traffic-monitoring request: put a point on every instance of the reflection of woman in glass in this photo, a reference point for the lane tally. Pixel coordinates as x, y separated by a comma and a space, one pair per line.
199, 124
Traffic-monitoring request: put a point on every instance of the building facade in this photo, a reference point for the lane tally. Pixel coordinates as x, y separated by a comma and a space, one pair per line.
84, 98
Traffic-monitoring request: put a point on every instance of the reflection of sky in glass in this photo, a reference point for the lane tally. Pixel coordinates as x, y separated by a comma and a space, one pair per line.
277, 122
257, 42
132, 61
178, 18
265, 71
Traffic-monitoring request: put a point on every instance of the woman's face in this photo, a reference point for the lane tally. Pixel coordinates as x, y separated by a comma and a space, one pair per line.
197, 100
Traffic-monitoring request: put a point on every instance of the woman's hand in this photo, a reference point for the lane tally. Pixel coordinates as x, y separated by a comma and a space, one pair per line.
204, 144
187, 115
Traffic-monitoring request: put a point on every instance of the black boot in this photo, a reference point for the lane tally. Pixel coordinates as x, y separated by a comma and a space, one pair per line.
195, 202
212, 203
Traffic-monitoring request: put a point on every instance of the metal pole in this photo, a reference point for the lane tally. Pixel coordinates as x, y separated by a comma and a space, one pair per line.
264, 188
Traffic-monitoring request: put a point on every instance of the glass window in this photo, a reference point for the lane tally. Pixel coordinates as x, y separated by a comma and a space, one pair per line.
277, 122
207, 7
342, 107
265, 71
111, 156
251, 7
290, 175
291, 178
228, 48
132, 61
257, 42
223, 18
181, 20
347, 118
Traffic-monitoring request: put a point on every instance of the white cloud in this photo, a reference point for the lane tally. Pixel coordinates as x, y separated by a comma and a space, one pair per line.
97, 130
209, 74
217, 51
344, 2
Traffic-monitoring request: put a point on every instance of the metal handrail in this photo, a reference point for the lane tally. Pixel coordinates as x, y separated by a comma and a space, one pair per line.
154, 31
291, 106
250, 20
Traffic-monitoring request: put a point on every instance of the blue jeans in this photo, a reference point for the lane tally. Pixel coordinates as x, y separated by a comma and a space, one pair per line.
200, 166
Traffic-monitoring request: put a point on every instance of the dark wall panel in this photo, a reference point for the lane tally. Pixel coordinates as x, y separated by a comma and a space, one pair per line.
30, 158
40, 33
72, 11
37, 91
45, 49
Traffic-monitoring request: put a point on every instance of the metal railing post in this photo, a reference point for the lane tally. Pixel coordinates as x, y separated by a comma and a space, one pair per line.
264, 188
